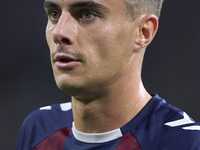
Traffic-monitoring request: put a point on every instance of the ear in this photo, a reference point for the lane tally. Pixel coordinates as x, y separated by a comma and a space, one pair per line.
148, 26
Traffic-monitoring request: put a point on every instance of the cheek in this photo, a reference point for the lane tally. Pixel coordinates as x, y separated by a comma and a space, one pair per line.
111, 41
48, 38
48, 31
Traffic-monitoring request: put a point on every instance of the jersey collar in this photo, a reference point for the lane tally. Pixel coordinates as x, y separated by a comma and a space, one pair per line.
96, 137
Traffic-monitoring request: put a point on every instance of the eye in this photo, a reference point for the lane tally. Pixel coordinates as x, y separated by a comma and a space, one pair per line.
54, 15
87, 15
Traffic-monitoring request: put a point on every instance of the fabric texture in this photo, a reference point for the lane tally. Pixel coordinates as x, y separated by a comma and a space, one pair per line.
158, 126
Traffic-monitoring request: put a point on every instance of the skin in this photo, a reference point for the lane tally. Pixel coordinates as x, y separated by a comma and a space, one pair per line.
107, 49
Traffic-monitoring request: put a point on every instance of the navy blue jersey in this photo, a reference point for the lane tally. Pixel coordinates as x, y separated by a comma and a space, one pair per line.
158, 126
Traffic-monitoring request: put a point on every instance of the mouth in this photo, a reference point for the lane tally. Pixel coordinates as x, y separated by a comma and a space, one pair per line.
65, 61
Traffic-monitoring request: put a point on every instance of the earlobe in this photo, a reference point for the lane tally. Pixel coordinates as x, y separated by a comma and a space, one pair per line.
148, 26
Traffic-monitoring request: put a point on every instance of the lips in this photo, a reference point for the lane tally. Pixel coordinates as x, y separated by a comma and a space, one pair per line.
64, 58
65, 61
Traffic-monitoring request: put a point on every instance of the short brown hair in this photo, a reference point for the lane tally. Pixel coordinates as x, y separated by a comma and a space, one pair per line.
137, 7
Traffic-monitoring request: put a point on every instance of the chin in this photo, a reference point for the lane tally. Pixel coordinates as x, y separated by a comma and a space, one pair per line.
68, 88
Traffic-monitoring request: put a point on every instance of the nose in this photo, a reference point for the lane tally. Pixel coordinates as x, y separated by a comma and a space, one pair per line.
65, 30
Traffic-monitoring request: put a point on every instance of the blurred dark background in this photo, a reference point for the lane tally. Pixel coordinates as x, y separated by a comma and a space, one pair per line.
171, 65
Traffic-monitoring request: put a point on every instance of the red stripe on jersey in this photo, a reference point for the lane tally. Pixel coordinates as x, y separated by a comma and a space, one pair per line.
128, 142
55, 141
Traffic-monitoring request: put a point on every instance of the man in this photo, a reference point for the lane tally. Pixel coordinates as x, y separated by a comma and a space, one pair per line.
97, 49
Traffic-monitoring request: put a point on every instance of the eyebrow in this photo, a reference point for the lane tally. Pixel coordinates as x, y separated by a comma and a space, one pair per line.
48, 4
87, 4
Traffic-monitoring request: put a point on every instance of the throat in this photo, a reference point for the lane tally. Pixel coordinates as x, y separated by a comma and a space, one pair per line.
107, 113
97, 117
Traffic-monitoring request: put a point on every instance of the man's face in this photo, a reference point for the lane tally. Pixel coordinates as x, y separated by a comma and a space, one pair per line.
91, 44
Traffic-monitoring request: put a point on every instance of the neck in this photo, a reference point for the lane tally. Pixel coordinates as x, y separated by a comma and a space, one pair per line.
113, 110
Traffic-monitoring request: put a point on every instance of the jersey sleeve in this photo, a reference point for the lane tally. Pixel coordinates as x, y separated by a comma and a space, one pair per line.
27, 132
42, 123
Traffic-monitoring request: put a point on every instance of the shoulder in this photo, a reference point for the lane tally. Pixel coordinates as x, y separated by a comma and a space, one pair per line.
165, 114
47, 115
166, 126
183, 132
42, 123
